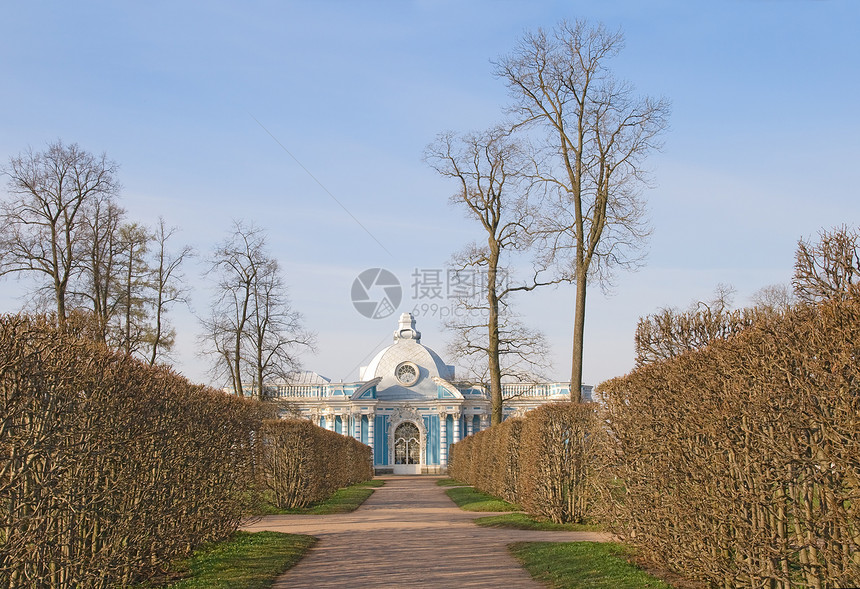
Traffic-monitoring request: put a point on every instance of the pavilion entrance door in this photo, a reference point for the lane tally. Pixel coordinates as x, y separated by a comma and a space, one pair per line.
407, 449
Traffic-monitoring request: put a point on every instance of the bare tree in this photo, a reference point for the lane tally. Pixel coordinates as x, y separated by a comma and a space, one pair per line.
129, 279
133, 282
235, 264
827, 269
775, 298
100, 251
251, 330
670, 332
166, 282
42, 227
275, 333
522, 352
595, 136
65, 223
488, 168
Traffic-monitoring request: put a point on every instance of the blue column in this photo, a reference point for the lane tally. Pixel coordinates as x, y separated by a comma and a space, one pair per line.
431, 425
380, 440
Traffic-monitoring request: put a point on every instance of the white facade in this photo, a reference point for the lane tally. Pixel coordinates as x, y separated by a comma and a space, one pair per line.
406, 405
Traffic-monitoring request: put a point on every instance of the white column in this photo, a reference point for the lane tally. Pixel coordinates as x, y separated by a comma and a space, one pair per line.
469, 431
355, 420
370, 420
443, 439
456, 427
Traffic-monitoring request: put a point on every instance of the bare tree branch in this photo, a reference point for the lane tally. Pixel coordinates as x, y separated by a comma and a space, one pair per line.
828, 269
777, 298
252, 332
42, 228
595, 134
166, 281
670, 332
488, 169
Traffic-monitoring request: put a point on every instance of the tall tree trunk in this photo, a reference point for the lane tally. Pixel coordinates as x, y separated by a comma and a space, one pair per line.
61, 305
59, 281
578, 338
237, 365
259, 367
156, 340
128, 291
496, 406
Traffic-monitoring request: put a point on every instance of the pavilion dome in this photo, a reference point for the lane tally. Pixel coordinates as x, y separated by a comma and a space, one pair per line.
406, 367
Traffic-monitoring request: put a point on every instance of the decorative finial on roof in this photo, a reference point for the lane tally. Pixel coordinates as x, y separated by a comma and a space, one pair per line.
406, 329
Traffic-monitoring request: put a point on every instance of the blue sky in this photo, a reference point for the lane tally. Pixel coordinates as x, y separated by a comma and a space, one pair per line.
762, 149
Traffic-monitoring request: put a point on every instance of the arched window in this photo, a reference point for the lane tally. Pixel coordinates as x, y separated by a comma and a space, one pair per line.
407, 444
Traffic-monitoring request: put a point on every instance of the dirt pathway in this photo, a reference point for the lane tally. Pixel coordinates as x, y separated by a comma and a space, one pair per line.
408, 534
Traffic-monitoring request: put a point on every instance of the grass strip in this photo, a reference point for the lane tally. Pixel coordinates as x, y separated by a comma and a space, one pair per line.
468, 499
521, 521
343, 500
583, 565
246, 561
450, 483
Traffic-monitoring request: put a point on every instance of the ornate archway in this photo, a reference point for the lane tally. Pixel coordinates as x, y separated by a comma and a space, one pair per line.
407, 448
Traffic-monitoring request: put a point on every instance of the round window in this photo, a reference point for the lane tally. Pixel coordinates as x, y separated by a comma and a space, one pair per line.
406, 373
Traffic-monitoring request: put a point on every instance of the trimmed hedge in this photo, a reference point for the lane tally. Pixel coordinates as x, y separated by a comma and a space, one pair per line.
740, 463
303, 463
111, 469
559, 462
547, 462
488, 460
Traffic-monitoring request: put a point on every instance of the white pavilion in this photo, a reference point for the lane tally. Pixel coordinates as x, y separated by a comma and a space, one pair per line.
406, 405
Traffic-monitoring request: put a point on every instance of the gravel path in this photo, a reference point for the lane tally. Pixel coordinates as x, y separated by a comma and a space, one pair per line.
408, 534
